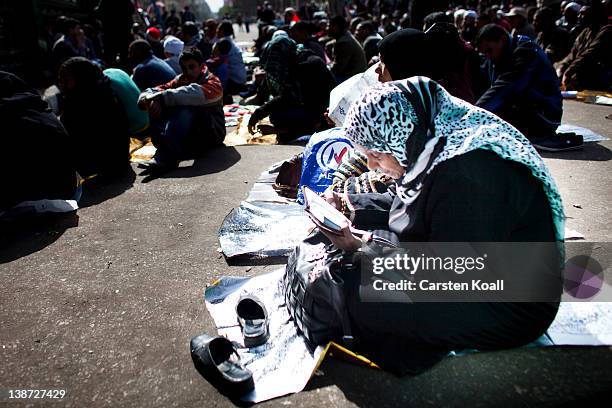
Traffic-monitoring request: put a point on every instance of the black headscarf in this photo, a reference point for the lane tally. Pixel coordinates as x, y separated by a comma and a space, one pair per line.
84, 72
402, 52
17, 96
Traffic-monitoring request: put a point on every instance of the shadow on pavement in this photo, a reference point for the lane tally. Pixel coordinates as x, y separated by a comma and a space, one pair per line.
26, 235
590, 151
549, 376
214, 161
98, 191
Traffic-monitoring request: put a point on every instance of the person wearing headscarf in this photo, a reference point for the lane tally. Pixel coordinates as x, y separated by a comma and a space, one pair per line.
400, 55
409, 52
469, 30
453, 63
462, 175
173, 47
94, 118
299, 83
38, 161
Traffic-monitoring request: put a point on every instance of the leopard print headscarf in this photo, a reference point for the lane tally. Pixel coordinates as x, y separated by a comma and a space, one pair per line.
422, 125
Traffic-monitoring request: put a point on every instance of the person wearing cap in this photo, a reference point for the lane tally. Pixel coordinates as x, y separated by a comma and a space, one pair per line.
519, 22
290, 16
468, 26
173, 47
153, 37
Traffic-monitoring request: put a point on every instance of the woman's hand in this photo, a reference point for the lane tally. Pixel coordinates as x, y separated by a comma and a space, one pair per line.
333, 198
347, 241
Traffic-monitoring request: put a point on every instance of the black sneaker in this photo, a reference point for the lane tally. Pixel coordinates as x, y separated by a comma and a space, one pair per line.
562, 142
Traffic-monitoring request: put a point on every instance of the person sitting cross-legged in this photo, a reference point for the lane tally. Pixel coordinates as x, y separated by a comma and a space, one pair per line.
186, 113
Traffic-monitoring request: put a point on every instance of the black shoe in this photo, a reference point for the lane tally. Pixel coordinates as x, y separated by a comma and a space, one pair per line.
218, 361
560, 143
253, 319
155, 163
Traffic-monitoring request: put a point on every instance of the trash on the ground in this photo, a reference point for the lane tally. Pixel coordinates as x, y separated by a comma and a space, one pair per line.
571, 235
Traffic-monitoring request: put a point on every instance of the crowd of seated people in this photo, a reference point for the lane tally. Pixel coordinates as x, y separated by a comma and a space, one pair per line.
511, 59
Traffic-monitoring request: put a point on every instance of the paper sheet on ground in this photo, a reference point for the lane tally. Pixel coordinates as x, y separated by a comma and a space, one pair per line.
285, 363
582, 324
587, 134
141, 150
241, 136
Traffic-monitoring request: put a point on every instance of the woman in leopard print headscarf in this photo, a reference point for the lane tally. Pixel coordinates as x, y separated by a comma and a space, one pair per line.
422, 126
462, 175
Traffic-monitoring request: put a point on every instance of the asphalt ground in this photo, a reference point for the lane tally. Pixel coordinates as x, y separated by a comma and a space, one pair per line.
103, 303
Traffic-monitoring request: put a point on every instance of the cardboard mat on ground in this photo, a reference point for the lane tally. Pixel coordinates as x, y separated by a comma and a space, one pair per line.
241, 136
265, 225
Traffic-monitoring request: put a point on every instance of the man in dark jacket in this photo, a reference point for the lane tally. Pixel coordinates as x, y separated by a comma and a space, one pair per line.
524, 87
349, 58
555, 41
149, 71
589, 63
